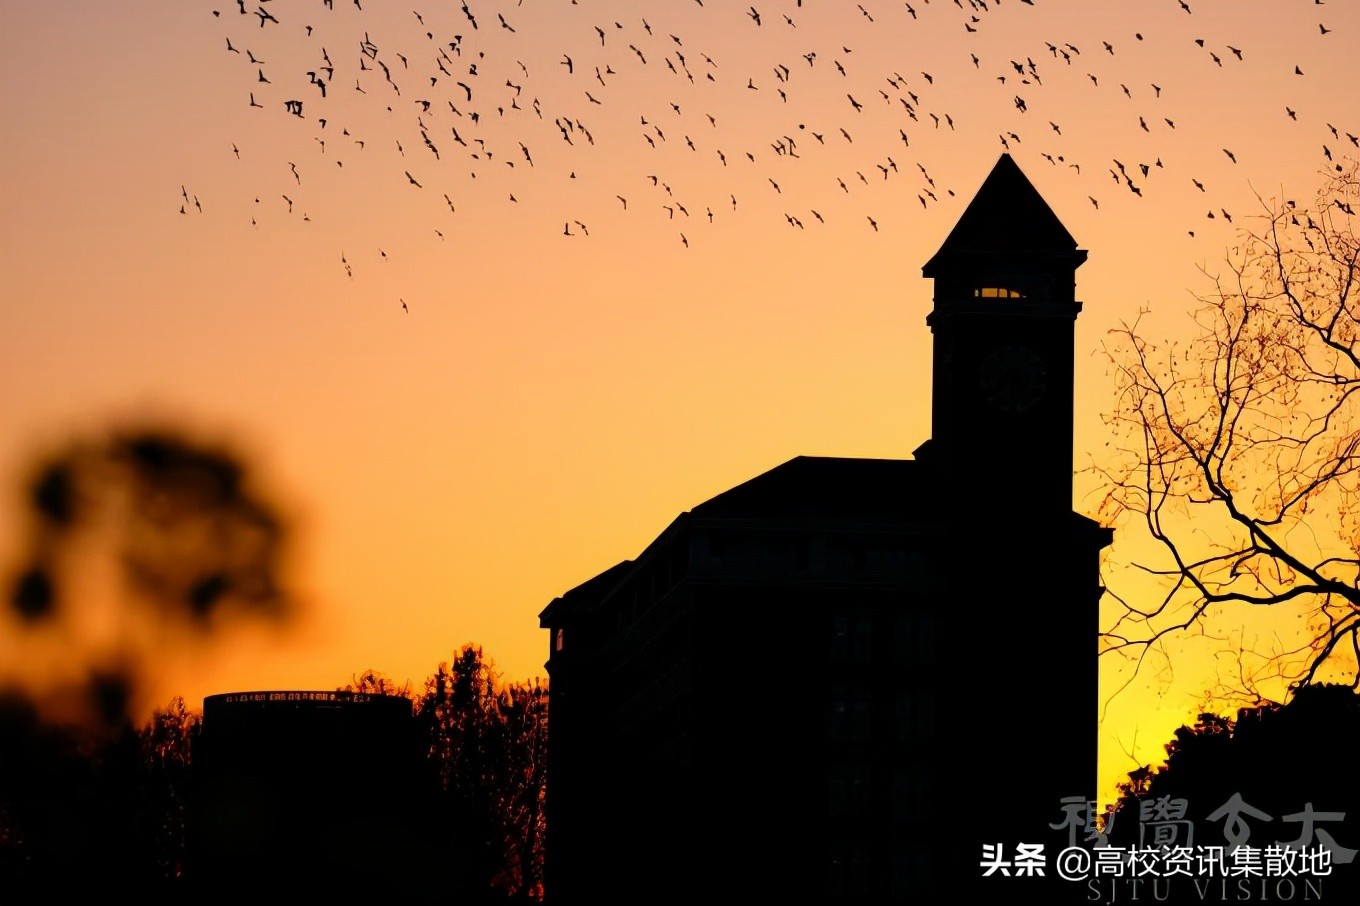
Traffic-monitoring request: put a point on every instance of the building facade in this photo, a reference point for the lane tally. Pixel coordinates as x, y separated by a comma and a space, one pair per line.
311, 789
844, 677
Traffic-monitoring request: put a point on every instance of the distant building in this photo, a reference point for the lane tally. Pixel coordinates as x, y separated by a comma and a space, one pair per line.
842, 677
307, 787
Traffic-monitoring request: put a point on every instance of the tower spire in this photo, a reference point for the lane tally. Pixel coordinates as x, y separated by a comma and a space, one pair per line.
1008, 221
1003, 324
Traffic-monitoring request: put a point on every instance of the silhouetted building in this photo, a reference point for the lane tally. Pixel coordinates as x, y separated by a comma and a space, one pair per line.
842, 677
308, 788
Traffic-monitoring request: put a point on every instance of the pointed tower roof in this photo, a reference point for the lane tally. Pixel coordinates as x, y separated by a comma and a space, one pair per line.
1007, 217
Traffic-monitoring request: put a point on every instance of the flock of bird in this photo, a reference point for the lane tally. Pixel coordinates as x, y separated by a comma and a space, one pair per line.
454, 101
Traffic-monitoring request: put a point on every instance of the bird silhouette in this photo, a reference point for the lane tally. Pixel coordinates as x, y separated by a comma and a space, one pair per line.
455, 62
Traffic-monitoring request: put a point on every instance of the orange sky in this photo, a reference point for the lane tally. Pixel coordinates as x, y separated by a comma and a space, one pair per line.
551, 401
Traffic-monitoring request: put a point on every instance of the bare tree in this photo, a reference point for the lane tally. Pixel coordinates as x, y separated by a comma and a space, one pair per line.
1240, 448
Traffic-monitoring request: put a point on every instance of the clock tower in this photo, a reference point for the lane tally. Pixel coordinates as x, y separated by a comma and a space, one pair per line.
1003, 324
1026, 567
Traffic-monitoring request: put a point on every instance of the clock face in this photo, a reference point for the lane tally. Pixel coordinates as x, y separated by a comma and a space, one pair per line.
1013, 378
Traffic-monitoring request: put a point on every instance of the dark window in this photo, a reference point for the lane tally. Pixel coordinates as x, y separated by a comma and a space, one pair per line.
851, 712
852, 635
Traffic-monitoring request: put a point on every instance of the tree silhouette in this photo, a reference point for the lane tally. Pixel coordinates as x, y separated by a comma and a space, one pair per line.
488, 740
164, 764
1279, 760
78, 803
1240, 449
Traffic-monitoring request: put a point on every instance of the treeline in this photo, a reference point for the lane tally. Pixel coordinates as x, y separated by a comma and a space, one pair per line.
117, 801
1276, 775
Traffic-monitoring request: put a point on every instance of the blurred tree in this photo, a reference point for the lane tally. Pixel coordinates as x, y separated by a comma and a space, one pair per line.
138, 542
1240, 450
86, 790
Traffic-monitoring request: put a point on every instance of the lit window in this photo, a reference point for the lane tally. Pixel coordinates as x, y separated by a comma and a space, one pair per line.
558, 640
997, 292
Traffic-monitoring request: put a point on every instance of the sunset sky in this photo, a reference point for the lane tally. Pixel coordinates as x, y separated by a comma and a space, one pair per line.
649, 251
